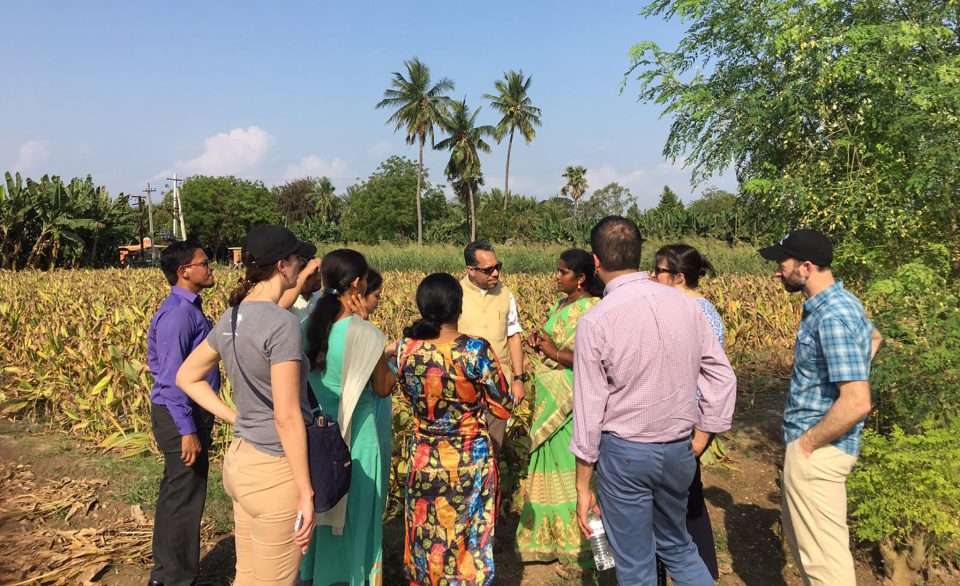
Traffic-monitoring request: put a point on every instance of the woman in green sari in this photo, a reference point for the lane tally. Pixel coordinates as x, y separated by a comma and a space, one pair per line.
548, 528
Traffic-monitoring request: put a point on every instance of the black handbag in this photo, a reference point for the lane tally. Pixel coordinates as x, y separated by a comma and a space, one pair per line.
327, 453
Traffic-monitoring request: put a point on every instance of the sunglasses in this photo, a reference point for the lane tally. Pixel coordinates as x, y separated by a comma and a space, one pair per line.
659, 270
489, 270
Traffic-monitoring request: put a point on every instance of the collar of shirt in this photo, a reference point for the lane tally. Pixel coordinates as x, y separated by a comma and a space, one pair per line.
186, 295
622, 280
814, 303
466, 282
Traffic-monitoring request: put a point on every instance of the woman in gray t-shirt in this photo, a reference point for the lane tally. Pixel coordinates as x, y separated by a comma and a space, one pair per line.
265, 470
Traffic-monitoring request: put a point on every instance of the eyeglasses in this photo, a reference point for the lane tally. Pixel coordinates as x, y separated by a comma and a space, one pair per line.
658, 270
205, 264
489, 270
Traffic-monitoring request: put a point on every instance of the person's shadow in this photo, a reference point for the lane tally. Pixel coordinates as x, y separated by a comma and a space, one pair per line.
752, 539
219, 564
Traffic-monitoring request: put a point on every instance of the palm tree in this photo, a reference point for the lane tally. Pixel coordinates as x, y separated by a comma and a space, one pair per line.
576, 185
464, 140
327, 203
418, 106
513, 102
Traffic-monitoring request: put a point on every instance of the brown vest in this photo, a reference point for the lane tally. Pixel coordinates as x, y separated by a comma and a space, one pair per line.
485, 315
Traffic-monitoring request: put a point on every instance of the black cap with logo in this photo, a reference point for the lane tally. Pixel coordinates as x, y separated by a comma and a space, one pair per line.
803, 244
270, 243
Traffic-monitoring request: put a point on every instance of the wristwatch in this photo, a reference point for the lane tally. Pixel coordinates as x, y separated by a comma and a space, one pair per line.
522, 377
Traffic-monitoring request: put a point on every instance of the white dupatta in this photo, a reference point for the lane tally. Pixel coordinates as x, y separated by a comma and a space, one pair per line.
361, 351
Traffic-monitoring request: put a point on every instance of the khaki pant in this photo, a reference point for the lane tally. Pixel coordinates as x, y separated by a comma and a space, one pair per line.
265, 499
814, 513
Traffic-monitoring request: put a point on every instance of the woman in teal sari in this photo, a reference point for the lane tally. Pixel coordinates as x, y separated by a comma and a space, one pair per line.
548, 528
348, 373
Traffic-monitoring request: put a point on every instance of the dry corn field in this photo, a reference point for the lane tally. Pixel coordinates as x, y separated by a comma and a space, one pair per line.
74, 342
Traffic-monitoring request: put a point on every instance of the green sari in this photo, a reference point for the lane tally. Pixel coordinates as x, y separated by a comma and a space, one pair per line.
548, 528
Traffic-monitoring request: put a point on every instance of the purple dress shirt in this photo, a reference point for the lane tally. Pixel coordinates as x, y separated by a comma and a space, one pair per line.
641, 353
175, 330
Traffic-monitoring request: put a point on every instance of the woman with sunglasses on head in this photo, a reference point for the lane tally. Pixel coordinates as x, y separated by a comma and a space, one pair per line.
348, 372
548, 530
265, 470
682, 266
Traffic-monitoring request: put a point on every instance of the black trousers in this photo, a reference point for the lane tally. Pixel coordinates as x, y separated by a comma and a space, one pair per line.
183, 493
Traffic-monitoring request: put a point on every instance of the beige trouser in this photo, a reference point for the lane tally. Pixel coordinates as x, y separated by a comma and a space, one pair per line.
265, 499
814, 512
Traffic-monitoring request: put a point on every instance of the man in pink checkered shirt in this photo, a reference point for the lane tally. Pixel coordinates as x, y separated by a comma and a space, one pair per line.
640, 356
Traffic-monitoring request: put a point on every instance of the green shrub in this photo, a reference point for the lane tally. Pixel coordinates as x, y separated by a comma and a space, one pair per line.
904, 492
916, 374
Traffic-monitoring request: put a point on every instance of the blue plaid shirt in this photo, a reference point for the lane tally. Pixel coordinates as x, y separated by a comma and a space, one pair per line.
833, 346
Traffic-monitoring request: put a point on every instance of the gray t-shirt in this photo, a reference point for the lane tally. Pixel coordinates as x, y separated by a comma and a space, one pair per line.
266, 335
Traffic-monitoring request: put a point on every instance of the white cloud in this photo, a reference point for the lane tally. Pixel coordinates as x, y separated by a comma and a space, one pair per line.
314, 166
230, 153
606, 174
32, 155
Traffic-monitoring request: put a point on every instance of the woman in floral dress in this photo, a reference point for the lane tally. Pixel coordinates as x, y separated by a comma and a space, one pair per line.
451, 491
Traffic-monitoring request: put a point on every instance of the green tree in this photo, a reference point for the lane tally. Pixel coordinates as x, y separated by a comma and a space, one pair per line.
418, 106
610, 200
379, 209
328, 205
300, 198
576, 185
716, 214
464, 141
518, 112
218, 211
839, 114
46, 223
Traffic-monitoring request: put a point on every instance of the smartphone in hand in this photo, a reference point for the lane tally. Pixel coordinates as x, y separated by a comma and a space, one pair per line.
298, 524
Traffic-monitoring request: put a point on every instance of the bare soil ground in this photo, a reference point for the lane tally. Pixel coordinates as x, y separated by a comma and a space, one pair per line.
743, 499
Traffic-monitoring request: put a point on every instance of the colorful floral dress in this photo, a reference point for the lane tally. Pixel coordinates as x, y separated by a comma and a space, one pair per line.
451, 491
548, 528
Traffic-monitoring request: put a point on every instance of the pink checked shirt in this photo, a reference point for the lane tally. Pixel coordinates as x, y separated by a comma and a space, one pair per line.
640, 355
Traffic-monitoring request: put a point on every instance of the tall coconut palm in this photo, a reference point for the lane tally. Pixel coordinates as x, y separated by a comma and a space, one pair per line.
464, 141
419, 105
518, 112
576, 185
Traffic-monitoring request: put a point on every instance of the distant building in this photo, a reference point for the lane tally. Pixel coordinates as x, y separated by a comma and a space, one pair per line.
131, 254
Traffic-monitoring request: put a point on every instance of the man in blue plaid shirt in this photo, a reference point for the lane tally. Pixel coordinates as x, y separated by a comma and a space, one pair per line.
828, 401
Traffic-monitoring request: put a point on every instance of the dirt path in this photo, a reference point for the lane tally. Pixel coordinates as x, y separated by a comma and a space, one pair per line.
743, 500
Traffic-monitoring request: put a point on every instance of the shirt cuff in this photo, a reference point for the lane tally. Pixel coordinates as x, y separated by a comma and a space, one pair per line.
589, 458
183, 418
713, 424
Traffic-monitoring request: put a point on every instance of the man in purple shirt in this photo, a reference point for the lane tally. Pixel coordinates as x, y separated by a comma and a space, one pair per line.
182, 428
640, 355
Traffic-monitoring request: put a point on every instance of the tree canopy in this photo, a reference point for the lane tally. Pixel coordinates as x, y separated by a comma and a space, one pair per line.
839, 115
380, 208
219, 210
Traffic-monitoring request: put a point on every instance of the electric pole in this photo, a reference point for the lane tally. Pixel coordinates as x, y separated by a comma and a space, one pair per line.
140, 199
153, 238
178, 207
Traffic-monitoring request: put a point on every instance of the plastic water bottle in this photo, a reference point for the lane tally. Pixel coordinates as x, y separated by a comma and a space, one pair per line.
599, 544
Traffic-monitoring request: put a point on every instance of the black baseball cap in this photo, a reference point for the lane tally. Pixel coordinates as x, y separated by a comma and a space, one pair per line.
270, 243
803, 244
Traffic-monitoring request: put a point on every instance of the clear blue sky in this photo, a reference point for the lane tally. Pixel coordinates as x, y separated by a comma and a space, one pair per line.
133, 91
